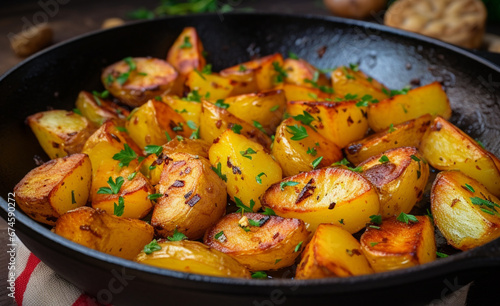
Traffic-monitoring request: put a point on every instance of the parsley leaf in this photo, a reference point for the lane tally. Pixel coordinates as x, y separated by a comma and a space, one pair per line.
258, 179
297, 248
154, 196
242, 207
119, 209
391, 128
393, 93
151, 247
236, 128
193, 96
177, 236
384, 159
247, 153
343, 162
281, 72
286, 184
259, 275
220, 236
153, 149
376, 219
469, 187
125, 156
480, 143
316, 162
220, 103
305, 118
274, 108
218, 170
195, 134
191, 124
268, 212
298, 132
186, 44
115, 186
132, 176
207, 69
406, 218
73, 201
242, 68
372, 244
312, 151
259, 126
292, 55
130, 62
441, 255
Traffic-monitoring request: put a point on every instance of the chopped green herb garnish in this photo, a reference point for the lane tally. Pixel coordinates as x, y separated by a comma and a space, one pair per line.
343, 162
357, 169
132, 176
158, 98
153, 149
354, 67
119, 209
151, 247
292, 55
220, 103
372, 244
297, 248
207, 69
122, 129
73, 201
236, 128
258, 223
469, 187
219, 235
248, 152
259, 275
316, 162
489, 204
341, 221
259, 126
286, 184
168, 136
277, 260
131, 63
312, 151
177, 236
376, 219
281, 72
404, 108
178, 128
274, 108
393, 93
77, 111
122, 78
242, 207
114, 186
305, 118
391, 128
191, 124
441, 255
152, 167
298, 132
186, 44
313, 95
268, 212
125, 156
374, 227
406, 218
242, 68
155, 196
480, 143
218, 170
384, 159
195, 134
193, 96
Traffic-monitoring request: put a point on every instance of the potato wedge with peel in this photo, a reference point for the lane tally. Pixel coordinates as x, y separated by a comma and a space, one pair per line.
215, 120
193, 257
193, 197
446, 147
97, 110
297, 156
186, 53
189, 110
59, 185
465, 212
398, 245
247, 168
400, 176
332, 252
407, 134
60, 132
265, 107
100, 231
328, 195
242, 78
428, 99
210, 86
153, 164
339, 122
150, 124
137, 80
300, 72
352, 81
302, 93
257, 241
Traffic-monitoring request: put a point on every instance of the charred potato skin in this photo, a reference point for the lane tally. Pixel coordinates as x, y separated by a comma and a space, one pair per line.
100, 231
407, 134
400, 181
446, 147
259, 248
185, 60
193, 257
322, 197
152, 77
45, 192
292, 155
194, 197
332, 252
60, 132
463, 224
398, 245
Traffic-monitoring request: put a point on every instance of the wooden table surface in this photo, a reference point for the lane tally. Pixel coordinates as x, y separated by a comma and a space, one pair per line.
78, 17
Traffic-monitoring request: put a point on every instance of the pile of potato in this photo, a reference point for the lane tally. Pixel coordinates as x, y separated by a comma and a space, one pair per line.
240, 172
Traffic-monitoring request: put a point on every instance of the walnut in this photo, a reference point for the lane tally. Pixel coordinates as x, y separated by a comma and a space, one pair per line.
460, 22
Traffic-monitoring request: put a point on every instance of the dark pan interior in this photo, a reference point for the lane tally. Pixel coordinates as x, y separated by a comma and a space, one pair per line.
53, 78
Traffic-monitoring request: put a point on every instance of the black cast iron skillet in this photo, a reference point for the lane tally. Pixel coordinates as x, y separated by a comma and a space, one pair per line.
54, 77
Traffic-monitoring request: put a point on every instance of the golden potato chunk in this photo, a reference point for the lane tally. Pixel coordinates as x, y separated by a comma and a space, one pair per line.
153, 121
300, 72
328, 195
257, 241
465, 212
340, 122
398, 245
186, 53
352, 81
400, 176
109, 234
209, 86
302, 93
97, 110
245, 167
189, 110
265, 107
136, 80
60, 132
302, 155
332, 252
193, 257
242, 78
193, 197
59, 185
215, 120
428, 99
407, 134
446, 147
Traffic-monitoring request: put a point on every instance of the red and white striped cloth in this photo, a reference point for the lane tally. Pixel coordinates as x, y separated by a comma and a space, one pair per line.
38, 285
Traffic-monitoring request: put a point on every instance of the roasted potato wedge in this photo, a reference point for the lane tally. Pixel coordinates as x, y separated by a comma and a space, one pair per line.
446, 147
189, 110
97, 110
340, 122
59, 185
257, 241
302, 93
215, 120
208, 86
297, 156
109, 234
400, 176
193, 257
243, 79
407, 134
193, 197
150, 124
328, 195
352, 81
428, 99
248, 169
60, 132
300, 72
398, 245
186, 54
465, 212
137, 80
266, 108
332, 252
